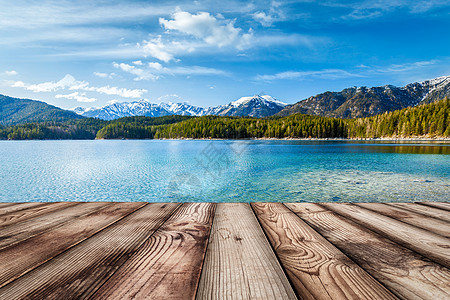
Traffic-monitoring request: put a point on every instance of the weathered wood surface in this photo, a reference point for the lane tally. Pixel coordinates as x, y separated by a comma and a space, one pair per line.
31, 212
5, 204
441, 205
412, 218
168, 265
429, 244
25, 214
19, 206
406, 273
225, 251
240, 263
424, 210
17, 232
79, 272
316, 268
30, 253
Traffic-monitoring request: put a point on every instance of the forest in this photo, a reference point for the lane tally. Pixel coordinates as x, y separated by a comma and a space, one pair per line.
430, 120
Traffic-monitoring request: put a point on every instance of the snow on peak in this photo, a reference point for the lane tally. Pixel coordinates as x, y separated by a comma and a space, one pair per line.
265, 99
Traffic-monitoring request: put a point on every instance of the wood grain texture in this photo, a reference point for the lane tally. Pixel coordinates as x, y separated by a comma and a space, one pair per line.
14, 233
79, 272
24, 256
239, 262
406, 273
440, 205
168, 265
412, 218
5, 205
430, 245
317, 269
424, 210
32, 212
18, 206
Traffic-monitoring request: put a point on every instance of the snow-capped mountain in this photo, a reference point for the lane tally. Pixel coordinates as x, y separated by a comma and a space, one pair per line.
363, 101
255, 106
124, 109
182, 109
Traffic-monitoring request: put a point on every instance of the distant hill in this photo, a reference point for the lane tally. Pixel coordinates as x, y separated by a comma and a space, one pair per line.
18, 111
358, 102
254, 106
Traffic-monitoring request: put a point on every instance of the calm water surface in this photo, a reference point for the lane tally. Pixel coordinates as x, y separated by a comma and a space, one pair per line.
223, 171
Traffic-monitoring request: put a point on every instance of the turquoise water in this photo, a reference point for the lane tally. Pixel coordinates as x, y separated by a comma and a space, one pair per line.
223, 171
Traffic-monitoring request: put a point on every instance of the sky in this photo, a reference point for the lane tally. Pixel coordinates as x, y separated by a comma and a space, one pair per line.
207, 53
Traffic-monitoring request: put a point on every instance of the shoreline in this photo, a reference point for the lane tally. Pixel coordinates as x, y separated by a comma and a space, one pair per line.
381, 139
411, 139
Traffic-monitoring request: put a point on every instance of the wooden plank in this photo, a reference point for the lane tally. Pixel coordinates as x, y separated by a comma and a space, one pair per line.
19, 206
440, 205
412, 218
239, 262
168, 265
317, 269
80, 271
406, 273
430, 245
424, 210
24, 256
5, 204
32, 212
17, 232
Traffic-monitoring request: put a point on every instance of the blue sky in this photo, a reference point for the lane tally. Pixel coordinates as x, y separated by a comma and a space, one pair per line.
90, 53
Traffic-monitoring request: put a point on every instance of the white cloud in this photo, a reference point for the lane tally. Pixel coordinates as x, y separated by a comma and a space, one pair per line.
104, 75
139, 73
11, 73
275, 14
48, 13
101, 75
155, 48
358, 71
138, 63
155, 70
370, 9
70, 83
155, 65
265, 20
79, 97
215, 31
122, 92
194, 70
322, 74
394, 68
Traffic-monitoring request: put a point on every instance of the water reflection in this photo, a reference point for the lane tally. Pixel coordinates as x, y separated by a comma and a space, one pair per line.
404, 149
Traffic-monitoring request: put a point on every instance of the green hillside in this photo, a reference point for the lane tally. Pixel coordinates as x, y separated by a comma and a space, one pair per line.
18, 111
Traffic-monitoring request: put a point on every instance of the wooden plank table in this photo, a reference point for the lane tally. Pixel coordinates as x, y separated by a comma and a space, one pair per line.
224, 251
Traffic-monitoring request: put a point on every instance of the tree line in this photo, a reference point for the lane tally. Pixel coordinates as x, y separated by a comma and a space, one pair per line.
430, 120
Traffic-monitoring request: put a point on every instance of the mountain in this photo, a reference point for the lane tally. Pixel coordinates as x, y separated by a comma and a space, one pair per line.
124, 109
363, 101
16, 111
255, 106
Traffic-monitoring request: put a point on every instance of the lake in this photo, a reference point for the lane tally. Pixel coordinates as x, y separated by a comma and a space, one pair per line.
224, 171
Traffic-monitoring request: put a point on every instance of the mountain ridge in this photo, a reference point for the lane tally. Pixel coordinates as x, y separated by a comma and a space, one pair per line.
253, 106
363, 101
16, 111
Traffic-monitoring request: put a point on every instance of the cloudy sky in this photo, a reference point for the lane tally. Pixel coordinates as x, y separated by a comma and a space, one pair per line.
89, 53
